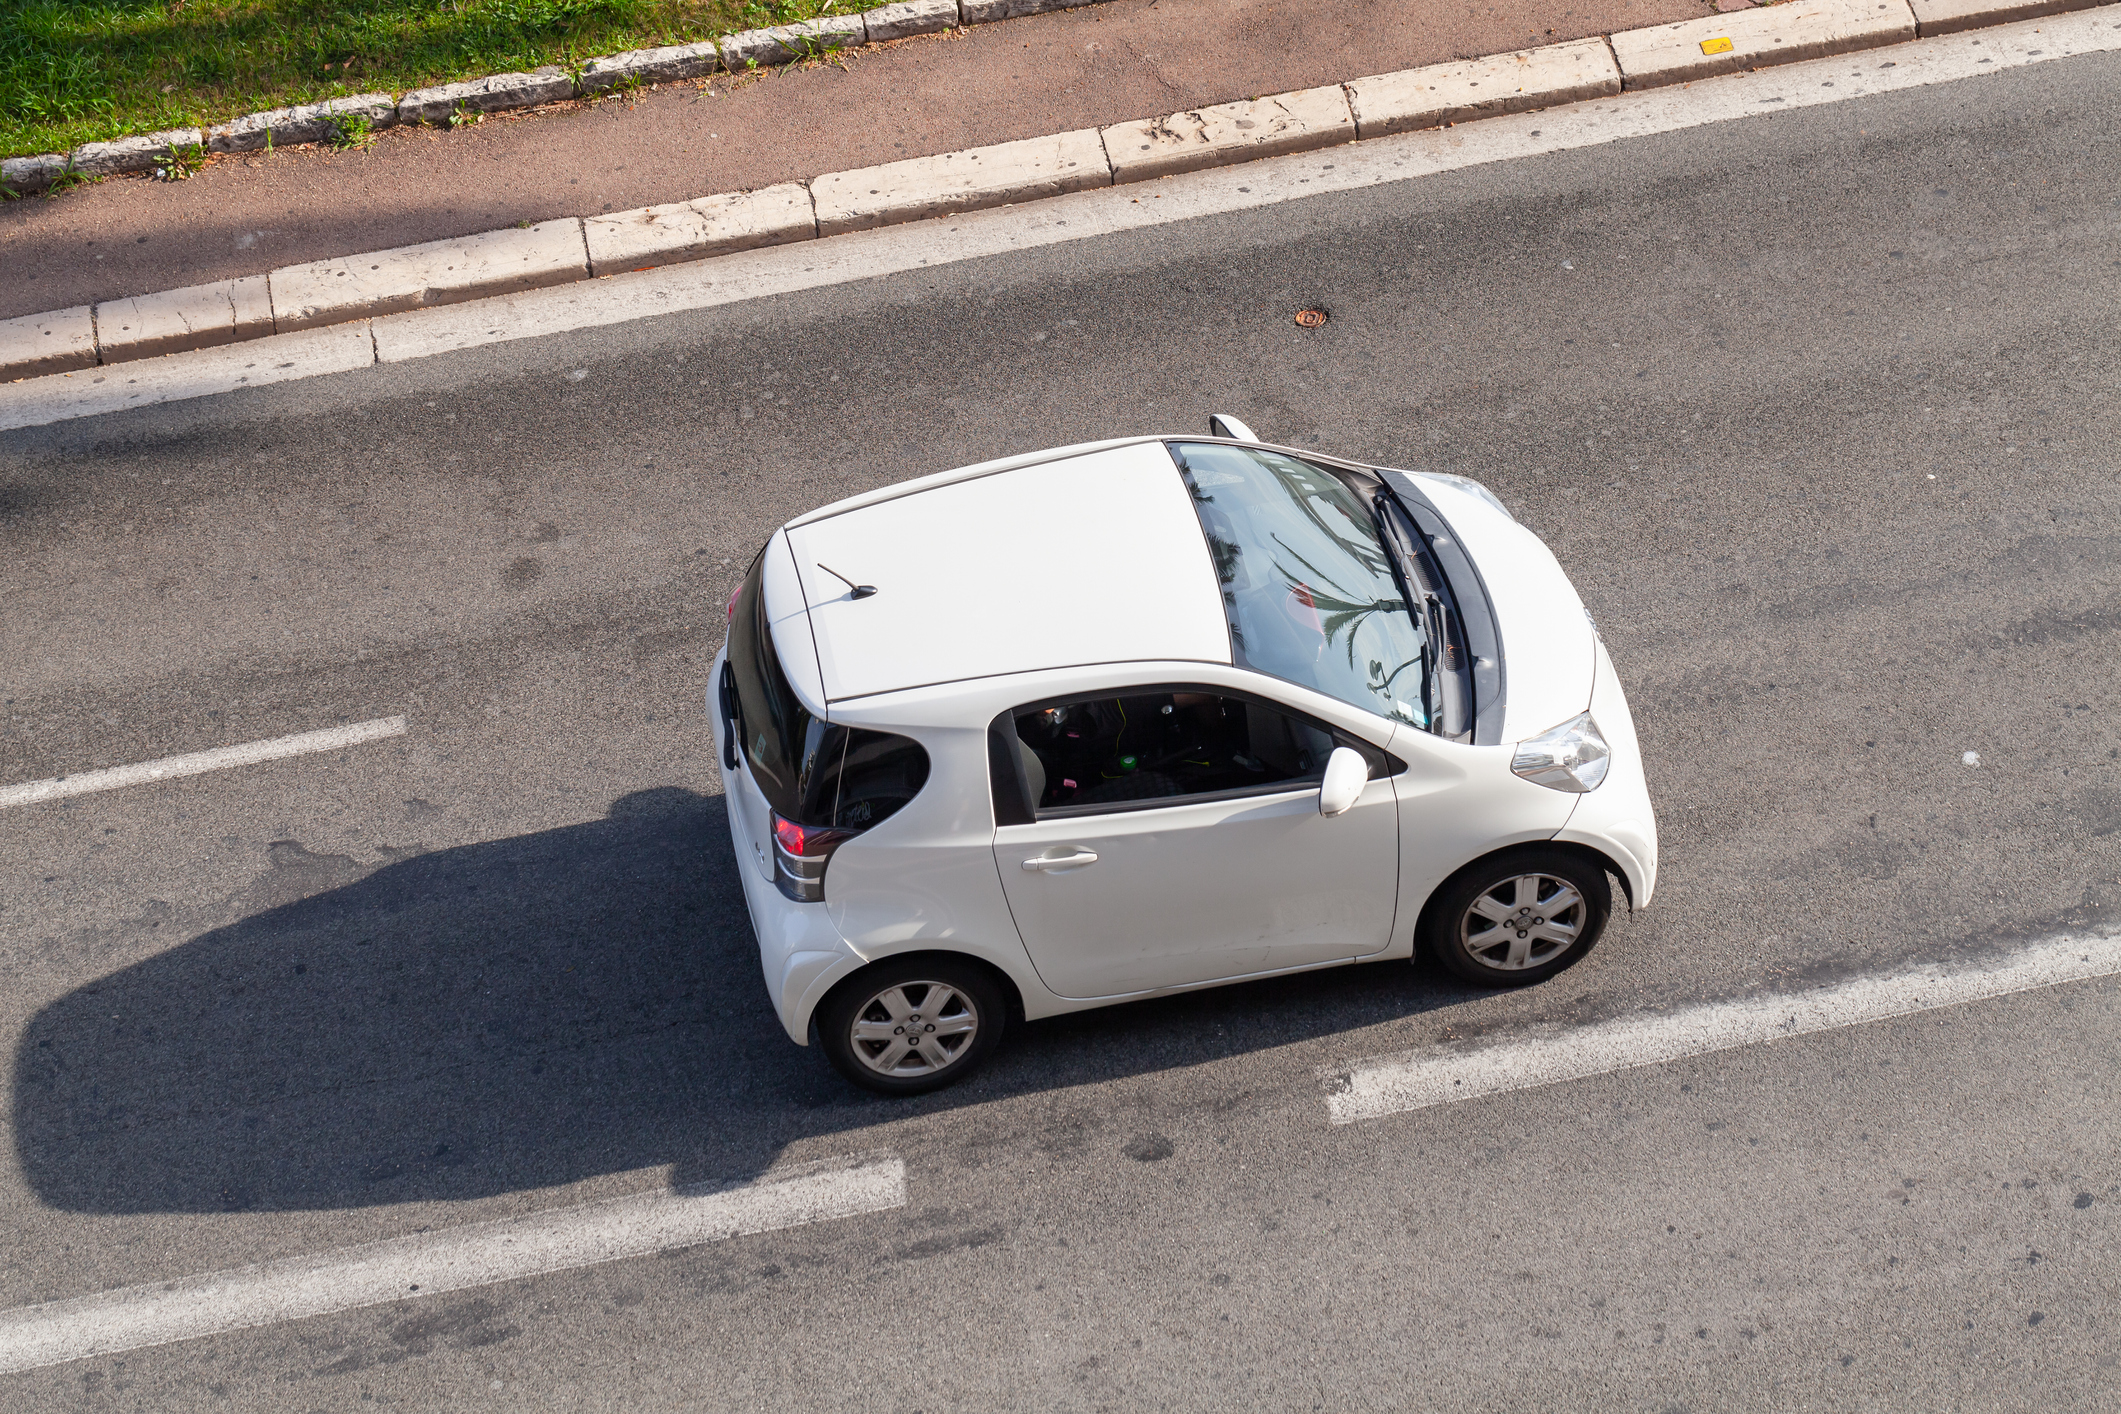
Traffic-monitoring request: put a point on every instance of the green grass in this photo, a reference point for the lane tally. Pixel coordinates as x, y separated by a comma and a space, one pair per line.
75, 71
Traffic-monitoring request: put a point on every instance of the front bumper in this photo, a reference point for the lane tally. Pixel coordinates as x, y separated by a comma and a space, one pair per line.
1617, 819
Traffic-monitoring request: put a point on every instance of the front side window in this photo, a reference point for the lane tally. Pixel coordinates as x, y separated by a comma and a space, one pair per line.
1311, 590
1155, 746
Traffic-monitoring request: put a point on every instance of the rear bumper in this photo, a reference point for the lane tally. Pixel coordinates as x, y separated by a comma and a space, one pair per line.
1617, 819
800, 952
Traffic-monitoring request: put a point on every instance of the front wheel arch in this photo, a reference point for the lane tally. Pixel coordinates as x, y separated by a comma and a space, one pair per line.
1597, 859
1552, 852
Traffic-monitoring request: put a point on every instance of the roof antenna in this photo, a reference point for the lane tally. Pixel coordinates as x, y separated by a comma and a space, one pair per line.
861, 591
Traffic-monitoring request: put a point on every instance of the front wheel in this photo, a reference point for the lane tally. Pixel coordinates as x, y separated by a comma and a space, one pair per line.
906, 1026
1518, 918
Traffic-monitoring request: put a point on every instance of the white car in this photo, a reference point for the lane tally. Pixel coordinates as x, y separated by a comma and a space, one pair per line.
1141, 716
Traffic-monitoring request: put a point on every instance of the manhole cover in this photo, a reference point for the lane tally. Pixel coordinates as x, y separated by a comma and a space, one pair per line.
1311, 318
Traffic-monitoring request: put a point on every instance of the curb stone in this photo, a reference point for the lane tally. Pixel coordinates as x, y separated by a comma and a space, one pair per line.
1483, 88
133, 154
910, 17
672, 61
1935, 17
784, 43
1228, 132
982, 12
959, 181
556, 252
305, 122
487, 95
28, 174
693, 230
1778, 34
437, 272
58, 342
196, 317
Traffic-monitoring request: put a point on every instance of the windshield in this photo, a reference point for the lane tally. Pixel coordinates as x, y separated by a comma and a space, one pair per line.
1311, 591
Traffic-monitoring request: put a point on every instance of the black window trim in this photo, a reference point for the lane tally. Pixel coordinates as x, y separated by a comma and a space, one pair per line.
1474, 609
1011, 793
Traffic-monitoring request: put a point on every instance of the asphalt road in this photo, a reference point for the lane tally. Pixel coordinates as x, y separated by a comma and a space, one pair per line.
1821, 413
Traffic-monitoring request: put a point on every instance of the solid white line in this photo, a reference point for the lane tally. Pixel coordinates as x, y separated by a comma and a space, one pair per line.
479, 1254
199, 762
1443, 1075
201, 373
865, 255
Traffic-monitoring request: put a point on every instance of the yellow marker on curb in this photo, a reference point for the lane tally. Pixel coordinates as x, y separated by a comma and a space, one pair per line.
1719, 45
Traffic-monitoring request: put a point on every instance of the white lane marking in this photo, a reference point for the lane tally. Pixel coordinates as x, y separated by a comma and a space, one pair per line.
478, 1254
199, 762
892, 250
1442, 1075
200, 373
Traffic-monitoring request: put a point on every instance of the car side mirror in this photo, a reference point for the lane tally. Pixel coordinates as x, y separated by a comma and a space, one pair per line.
1346, 774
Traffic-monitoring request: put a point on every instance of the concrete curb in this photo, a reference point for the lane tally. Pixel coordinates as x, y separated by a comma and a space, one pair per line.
315, 122
557, 252
437, 272
1779, 34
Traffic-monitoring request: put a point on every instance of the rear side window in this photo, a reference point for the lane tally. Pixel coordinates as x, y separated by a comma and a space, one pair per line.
812, 772
1155, 746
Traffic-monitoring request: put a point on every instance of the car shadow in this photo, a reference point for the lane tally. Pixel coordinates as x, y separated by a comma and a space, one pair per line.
515, 1015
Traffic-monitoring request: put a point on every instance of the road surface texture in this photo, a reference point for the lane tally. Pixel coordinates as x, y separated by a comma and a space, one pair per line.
1819, 411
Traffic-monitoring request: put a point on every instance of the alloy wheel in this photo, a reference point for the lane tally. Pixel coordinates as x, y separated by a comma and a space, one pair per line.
914, 1029
1523, 922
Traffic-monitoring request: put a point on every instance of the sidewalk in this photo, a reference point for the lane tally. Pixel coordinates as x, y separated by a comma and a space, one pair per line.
994, 83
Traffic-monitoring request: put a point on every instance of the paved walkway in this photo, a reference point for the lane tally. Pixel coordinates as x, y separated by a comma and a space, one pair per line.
1048, 73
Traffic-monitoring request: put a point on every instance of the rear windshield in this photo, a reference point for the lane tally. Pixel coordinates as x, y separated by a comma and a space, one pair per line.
1312, 593
810, 771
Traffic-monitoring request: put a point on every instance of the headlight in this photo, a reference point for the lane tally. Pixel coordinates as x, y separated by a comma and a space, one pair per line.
1570, 757
1472, 487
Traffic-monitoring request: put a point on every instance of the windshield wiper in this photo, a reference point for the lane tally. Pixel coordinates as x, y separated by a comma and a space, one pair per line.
1444, 694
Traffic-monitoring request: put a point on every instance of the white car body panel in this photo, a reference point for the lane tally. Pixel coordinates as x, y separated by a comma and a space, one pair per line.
1617, 818
1046, 565
1203, 891
1549, 648
1457, 803
1051, 606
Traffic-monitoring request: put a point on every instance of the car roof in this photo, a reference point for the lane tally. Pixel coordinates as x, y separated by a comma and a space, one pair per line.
1082, 555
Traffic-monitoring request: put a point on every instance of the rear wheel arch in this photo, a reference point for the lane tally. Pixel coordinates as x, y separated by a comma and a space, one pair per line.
1000, 976
867, 1021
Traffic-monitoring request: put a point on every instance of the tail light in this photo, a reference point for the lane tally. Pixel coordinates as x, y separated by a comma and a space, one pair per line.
734, 595
800, 854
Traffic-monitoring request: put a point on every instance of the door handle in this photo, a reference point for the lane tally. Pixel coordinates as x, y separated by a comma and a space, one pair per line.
1048, 863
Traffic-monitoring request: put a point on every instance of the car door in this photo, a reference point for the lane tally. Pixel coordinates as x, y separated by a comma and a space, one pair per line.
1160, 836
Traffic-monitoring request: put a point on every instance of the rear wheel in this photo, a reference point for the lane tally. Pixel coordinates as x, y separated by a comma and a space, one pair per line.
1518, 918
906, 1026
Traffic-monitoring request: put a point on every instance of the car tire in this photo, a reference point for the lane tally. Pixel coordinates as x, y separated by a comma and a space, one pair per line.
1561, 898
863, 1023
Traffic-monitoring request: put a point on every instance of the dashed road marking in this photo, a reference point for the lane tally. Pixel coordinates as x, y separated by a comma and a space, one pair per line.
454, 1259
199, 762
1414, 1080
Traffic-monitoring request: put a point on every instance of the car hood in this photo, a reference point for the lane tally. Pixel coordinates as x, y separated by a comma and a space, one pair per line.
1549, 646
